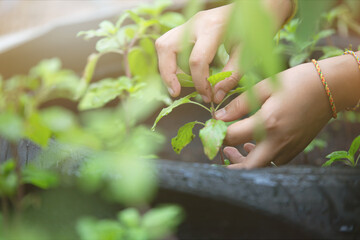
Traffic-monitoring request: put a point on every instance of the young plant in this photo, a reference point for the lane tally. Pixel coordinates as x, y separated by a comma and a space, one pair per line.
213, 132
347, 157
135, 43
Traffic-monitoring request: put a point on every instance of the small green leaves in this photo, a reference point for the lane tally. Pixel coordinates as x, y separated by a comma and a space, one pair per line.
102, 92
212, 136
347, 157
142, 60
167, 110
184, 137
171, 19
355, 145
185, 80
11, 126
214, 79
227, 162
41, 178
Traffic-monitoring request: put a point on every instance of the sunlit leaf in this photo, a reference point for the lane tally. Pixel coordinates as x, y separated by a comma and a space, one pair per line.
184, 137
130, 217
108, 27
100, 93
185, 80
161, 221
167, 110
355, 145
332, 160
338, 155
107, 44
171, 19
121, 20
36, 130
57, 119
214, 79
11, 126
212, 136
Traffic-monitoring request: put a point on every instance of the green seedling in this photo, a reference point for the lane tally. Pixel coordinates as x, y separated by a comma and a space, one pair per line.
347, 157
135, 43
213, 132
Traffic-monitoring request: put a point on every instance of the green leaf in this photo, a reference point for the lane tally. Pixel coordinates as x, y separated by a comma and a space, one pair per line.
338, 155
184, 137
185, 80
140, 63
332, 160
171, 19
11, 126
324, 34
136, 18
102, 92
298, 59
36, 130
330, 51
130, 217
107, 44
108, 26
121, 20
214, 79
41, 178
167, 110
355, 145
161, 221
227, 162
57, 119
212, 136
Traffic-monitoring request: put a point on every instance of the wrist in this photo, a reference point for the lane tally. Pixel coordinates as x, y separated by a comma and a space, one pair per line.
343, 76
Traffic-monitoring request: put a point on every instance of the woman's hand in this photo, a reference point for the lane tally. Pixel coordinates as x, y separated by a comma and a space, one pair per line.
291, 117
206, 31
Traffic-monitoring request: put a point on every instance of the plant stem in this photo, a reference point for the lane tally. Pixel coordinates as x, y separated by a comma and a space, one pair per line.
196, 103
126, 64
213, 110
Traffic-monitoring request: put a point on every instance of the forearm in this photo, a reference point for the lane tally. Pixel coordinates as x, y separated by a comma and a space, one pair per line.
342, 74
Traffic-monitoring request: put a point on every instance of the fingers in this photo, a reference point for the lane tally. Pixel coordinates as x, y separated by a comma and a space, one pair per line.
240, 106
201, 56
241, 131
260, 156
249, 147
167, 47
233, 155
223, 87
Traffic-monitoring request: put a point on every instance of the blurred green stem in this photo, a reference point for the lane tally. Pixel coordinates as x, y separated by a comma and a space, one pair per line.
213, 110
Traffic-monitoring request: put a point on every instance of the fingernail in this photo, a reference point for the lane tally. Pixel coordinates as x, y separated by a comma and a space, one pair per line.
205, 98
171, 91
219, 95
220, 113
